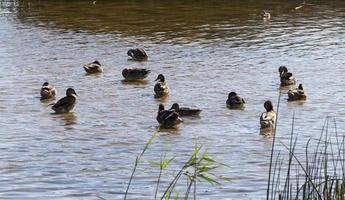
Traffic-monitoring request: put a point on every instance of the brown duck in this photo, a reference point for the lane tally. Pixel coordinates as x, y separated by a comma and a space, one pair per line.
135, 73
297, 94
161, 88
234, 101
94, 67
137, 54
286, 77
167, 118
47, 91
185, 111
66, 103
268, 118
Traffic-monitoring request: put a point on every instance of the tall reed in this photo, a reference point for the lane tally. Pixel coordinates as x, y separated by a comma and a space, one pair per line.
317, 174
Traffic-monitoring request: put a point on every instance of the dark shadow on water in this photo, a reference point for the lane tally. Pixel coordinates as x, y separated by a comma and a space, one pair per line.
296, 103
236, 107
169, 130
49, 101
134, 82
140, 61
160, 20
162, 99
67, 118
95, 75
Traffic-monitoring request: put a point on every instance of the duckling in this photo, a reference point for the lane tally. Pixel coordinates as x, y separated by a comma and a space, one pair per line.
167, 118
234, 101
137, 54
268, 118
286, 77
94, 67
297, 94
184, 111
161, 88
135, 73
265, 15
47, 91
67, 103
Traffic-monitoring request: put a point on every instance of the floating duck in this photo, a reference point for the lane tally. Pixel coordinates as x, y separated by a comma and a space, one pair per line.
135, 73
161, 88
167, 118
268, 118
265, 15
137, 54
297, 94
234, 101
286, 77
47, 91
94, 67
184, 111
67, 103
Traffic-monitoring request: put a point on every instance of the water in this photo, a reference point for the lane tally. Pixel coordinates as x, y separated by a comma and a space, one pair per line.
206, 49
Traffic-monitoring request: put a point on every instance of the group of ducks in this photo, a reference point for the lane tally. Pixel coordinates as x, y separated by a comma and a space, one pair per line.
268, 118
172, 117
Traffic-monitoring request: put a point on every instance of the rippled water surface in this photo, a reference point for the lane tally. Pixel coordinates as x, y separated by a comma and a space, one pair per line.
206, 49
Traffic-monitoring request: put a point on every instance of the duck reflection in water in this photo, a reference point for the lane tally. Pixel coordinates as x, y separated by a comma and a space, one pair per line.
67, 118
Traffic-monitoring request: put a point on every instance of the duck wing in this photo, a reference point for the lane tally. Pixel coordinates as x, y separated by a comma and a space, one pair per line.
268, 117
185, 111
93, 68
138, 73
172, 119
160, 87
64, 102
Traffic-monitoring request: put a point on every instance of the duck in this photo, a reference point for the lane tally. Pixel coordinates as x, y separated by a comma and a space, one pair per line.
265, 15
268, 118
67, 103
137, 54
297, 94
135, 73
234, 101
47, 91
286, 77
185, 111
161, 88
168, 118
94, 67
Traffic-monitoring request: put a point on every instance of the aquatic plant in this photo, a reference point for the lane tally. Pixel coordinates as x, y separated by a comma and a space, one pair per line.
198, 167
138, 158
319, 174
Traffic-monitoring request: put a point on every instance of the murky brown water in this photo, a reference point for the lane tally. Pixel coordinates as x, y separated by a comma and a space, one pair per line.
206, 49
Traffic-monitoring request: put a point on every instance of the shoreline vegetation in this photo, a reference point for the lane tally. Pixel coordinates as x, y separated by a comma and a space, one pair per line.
317, 174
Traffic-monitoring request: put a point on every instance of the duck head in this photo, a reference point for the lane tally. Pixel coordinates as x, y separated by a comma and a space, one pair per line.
282, 69
176, 107
70, 92
161, 78
130, 52
125, 72
96, 62
45, 84
232, 95
160, 108
268, 106
300, 87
